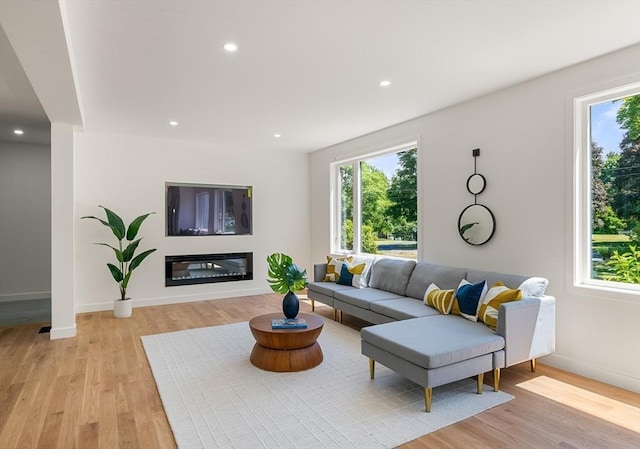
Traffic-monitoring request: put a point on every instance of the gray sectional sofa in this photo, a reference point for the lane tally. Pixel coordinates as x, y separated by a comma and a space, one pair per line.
430, 348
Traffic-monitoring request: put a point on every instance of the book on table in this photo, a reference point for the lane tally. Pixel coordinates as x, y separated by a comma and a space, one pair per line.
289, 323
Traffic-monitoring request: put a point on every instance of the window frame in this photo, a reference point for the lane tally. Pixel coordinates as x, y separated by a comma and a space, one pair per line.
581, 251
354, 162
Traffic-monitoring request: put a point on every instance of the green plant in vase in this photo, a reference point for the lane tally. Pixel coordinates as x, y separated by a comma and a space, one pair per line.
287, 278
126, 259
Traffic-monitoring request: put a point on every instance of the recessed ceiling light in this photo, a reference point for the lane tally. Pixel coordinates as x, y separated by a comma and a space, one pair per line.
277, 136
173, 123
385, 83
230, 47
18, 132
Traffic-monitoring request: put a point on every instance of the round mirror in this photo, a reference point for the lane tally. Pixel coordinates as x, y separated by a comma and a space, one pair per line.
476, 183
476, 224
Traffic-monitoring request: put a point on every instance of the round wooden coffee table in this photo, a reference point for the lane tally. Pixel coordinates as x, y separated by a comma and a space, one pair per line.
286, 350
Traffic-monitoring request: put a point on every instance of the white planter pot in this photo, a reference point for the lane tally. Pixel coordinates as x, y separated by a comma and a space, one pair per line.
122, 308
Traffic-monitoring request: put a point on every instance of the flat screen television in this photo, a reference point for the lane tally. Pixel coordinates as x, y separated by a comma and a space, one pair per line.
208, 209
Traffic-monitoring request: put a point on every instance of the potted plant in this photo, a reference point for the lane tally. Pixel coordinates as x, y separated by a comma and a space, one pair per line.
126, 259
286, 277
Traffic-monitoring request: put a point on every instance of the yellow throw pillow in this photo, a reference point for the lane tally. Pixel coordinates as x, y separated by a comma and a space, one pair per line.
495, 297
441, 300
334, 267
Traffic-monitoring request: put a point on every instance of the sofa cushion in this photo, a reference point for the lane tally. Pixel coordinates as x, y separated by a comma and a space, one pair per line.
402, 308
425, 274
467, 299
420, 340
391, 275
363, 297
510, 280
327, 288
490, 304
441, 300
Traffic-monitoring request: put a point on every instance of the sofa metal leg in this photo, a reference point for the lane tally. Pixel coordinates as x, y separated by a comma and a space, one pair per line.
533, 365
313, 305
335, 315
372, 368
496, 379
428, 392
340, 316
480, 382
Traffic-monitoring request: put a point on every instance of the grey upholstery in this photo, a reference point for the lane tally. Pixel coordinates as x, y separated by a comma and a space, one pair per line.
426, 273
433, 342
364, 297
510, 280
328, 288
391, 275
403, 308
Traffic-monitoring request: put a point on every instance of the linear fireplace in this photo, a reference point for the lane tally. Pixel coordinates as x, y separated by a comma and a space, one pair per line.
208, 268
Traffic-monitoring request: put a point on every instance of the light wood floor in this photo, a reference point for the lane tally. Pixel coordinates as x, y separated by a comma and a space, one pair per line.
97, 391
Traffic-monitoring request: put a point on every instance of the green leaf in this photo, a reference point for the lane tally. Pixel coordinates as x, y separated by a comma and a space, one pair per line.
127, 254
115, 272
284, 275
115, 223
466, 227
139, 258
125, 283
119, 255
135, 226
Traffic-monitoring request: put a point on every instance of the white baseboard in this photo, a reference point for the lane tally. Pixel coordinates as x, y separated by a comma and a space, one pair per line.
99, 307
593, 372
63, 332
25, 296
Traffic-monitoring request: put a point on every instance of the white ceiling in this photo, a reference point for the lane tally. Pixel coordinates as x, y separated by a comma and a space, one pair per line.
307, 69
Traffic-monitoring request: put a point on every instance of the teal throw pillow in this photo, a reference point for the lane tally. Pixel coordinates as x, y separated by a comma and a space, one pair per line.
468, 297
346, 277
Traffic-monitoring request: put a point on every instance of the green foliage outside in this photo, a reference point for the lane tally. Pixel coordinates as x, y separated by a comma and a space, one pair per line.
389, 207
625, 266
615, 200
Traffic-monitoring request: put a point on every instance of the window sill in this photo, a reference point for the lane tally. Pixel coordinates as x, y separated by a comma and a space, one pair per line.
629, 293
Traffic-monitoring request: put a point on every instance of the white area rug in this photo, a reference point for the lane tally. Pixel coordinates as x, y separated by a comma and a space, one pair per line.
215, 398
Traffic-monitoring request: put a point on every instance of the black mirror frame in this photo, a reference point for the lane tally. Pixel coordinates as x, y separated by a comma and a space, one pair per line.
484, 184
493, 224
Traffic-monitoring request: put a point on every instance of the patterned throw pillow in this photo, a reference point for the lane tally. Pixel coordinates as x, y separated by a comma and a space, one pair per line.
334, 266
467, 299
441, 300
351, 275
490, 305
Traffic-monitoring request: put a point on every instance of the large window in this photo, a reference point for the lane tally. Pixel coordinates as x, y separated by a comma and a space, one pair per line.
377, 204
607, 190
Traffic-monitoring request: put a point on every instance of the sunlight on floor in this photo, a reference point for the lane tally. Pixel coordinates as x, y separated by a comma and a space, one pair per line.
602, 407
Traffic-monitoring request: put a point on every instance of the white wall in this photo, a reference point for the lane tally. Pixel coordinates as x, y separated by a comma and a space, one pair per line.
128, 174
524, 134
25, 221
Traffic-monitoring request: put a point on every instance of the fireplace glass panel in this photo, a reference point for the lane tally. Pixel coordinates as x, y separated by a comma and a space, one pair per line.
208, 268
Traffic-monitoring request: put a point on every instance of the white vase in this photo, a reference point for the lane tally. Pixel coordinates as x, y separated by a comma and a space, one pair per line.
122, 308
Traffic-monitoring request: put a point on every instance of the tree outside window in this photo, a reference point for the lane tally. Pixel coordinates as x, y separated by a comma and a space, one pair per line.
615, 190
385, 217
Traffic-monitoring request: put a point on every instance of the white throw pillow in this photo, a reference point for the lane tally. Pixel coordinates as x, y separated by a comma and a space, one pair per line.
534, 286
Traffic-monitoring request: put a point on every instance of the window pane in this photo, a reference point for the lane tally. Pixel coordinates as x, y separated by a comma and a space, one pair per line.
615, 190
346, 208
389, 205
